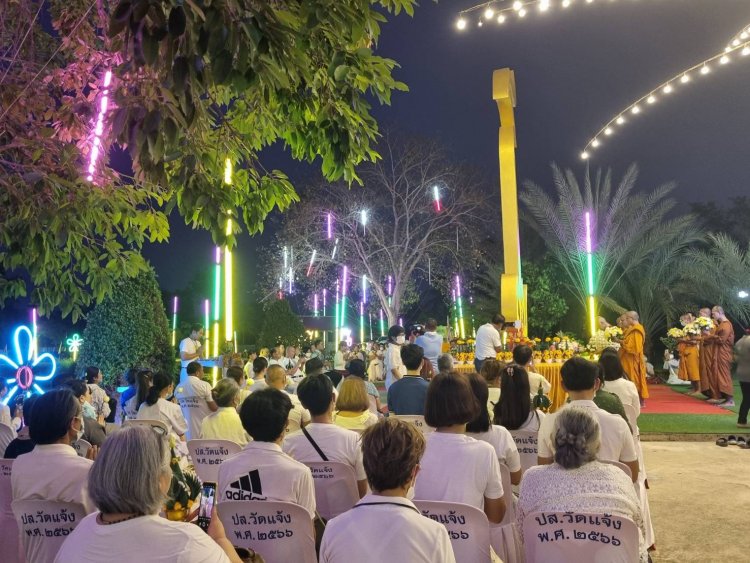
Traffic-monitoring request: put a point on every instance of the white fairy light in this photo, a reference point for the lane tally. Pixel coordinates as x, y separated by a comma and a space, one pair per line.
501, 18
724, 60
651, 99
635, 109
620, 120
705, 69
461, 23
685, 78
488, 13
668, 89
595, 143
745, 51
517, 5
584, 155
521, 12
608, 131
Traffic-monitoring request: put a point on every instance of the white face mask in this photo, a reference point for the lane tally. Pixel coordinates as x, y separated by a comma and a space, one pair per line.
400, 339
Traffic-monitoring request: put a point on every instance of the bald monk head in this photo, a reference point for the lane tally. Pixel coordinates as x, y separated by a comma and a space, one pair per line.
633, 316
717, 313
705, 312
686, 319
603, 324
276, 377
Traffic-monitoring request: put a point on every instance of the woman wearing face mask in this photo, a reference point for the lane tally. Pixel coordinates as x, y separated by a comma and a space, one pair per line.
93, 432
225, 423
394, 367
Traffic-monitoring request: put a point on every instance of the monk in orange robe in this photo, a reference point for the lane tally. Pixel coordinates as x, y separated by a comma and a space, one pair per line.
689, 356
720, 376
631, 352
706, 354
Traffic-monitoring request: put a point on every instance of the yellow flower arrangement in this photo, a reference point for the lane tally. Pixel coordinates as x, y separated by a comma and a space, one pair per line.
556, 339
548, 339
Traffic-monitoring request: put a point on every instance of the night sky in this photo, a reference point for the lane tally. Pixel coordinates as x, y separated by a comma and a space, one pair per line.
574, 69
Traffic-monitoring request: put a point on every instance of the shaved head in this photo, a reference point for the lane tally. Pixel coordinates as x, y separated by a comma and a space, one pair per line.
633, 316
276, 376
704, 312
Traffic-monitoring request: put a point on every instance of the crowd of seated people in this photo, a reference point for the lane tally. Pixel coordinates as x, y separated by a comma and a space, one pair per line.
123, 484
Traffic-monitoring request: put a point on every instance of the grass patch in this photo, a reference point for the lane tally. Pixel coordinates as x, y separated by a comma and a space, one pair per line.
689, 424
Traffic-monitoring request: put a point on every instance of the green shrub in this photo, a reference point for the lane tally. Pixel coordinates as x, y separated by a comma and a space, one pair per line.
281, 325
128, 329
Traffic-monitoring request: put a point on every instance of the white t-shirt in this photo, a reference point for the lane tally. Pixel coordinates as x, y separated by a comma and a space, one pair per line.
616, 439
99, 400
5, 416
505, 447
166, 411
457, 468
534, 380
337, 443
392, 361
148, 538
193, 395
493, 398
188, 346
224, 424
488, 338
261, 471
131, 408
256, 385
52, 472
626, 390
533, 421
297, 415
338, 361
402, 534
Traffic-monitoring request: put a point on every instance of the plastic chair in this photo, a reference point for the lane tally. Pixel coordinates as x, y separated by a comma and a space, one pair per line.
621, 465
157, 425
468, 528
528, 447
81, 447
7, 435
279, 531
504, 537
11, 549
417, 420
583, 538
208, 455
335, 487
44, 525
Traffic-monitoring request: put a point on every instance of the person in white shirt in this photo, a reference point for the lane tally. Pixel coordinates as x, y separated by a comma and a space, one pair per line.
191, 348
392, 450
195, 399
236, 374
522, 356
293, 364
496, 436
455, 467
143, 381
225, 423
258, 382
491, 372
52, 470
156, 406
298, 416
577, 482
128, 484
616, 380
431, 342
514, 410
392, 364
341, 356
488, 342
337, 444
262, 471
580, 378
5, 409
276, 353
99, 398
248, 367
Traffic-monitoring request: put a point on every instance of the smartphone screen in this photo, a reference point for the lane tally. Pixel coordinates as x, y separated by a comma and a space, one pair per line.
208, 496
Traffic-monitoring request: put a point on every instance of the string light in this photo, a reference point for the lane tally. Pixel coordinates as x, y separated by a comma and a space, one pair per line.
99, 126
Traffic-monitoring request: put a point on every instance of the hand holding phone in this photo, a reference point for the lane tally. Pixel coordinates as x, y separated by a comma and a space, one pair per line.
208, 498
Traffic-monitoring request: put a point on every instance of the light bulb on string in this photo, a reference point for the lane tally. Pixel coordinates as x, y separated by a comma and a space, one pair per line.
620, 120
608, 131
685, 78
595, 143
745, 51
636, 110
705, 69
461, 24
522, 12
517, 5
489, 12
566, 3
543, 5
724, 60
585, 155
501, 18
668, 89
651, 99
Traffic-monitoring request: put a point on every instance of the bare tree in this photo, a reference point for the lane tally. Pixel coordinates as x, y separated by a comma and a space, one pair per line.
391, 229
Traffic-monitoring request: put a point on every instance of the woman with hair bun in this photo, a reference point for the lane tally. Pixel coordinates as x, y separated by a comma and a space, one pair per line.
576, 481
225, 423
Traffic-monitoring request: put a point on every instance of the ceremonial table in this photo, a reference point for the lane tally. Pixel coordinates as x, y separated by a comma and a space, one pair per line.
551, 373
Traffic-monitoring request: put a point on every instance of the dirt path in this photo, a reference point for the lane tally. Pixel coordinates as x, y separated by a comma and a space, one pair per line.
700, 499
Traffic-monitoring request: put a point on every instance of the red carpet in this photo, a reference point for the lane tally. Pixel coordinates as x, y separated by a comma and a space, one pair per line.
664, 400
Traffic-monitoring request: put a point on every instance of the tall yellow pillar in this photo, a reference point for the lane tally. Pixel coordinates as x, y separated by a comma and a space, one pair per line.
512, 289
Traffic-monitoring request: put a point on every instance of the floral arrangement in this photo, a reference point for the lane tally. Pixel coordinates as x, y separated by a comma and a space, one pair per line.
612, 332
676, 333
704, 323
541, 401
183, 490
691, 329
504, 357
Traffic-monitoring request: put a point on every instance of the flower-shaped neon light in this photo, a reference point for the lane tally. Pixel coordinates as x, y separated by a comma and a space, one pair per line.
74, 345
25, 377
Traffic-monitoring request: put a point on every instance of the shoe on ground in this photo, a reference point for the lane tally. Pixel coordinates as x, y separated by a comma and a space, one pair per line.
729, 404
743, 425
716, 401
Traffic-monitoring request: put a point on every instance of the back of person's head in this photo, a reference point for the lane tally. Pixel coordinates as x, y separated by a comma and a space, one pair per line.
611, 366
315, 392
28, 404
479, 387
78, 387
357, 367
236, 374
391, 450
412, 356
445, 363
276, 376
576, 437
226, 392
449, 401
353, 396
317, 342
259, 364
522, 354
394, 332
314, 366
514, 406
498, 319
143, 382
52, 415
125, 478
491, 370
159, 382
130, 375
92, 373
430, 325
579, 374
193, 368
343, 345
264, 414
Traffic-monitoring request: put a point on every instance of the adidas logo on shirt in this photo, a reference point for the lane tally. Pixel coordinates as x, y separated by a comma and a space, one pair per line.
247, 487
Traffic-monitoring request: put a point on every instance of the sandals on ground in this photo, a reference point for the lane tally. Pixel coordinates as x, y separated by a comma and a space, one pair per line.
722, 442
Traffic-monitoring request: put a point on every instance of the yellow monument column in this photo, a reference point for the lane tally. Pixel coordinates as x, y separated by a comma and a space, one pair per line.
512, 289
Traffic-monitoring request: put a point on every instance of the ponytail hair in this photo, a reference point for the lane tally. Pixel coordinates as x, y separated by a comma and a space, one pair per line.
143, 380
160, 382
576, 437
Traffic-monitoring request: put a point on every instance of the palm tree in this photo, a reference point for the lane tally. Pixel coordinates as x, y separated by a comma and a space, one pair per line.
637, 242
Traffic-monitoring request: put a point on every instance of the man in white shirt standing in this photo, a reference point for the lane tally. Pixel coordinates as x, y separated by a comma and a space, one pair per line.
392, 450
298, 416
52, 470
488, 342
261, 471
431, 342
195, 399
580, 378
315, 392
191, 348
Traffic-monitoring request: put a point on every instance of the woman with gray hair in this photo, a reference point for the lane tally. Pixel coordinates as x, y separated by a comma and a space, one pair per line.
225, 423
577, 482
128, 483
